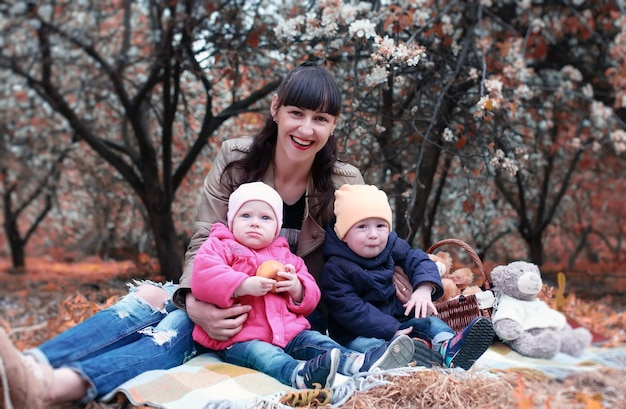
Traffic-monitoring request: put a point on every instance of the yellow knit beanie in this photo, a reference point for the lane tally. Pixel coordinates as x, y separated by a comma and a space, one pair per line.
354, 203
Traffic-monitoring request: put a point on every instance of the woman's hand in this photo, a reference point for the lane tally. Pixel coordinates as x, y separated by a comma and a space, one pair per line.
220, 324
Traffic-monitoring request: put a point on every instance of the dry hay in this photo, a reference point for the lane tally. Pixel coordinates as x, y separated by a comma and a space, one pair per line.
519, 389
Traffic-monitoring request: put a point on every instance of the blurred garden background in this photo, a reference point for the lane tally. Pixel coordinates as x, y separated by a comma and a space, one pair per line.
497, 122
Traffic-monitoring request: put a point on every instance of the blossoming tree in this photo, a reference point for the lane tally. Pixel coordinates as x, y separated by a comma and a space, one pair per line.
144, 84
492, 103
475, 116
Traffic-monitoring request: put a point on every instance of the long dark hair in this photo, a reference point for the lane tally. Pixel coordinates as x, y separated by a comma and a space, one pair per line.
308, 86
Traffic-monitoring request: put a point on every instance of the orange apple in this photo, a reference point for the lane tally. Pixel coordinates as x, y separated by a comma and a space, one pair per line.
270, 269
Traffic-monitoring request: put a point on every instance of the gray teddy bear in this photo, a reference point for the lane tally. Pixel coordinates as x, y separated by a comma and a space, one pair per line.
527, 324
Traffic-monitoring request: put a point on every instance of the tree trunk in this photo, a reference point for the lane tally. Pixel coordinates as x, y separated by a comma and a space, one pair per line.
168, 248
535, 248
426, 176
16, 244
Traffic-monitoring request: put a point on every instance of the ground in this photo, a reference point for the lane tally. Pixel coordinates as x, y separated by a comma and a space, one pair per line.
51, 297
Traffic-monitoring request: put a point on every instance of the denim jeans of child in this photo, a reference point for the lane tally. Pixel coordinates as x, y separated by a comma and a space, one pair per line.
430, 328
281, 363
120, 342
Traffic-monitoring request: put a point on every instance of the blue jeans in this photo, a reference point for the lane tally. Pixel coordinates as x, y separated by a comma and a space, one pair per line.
121, 342
363, 344
282, 364
430, 328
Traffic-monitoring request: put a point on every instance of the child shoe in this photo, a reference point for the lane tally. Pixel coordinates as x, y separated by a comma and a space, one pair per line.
28, 382
394, 354
462, 350
319, 372
424, 355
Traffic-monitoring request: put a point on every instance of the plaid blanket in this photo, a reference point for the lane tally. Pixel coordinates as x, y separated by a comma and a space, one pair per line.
207, 383
500, 356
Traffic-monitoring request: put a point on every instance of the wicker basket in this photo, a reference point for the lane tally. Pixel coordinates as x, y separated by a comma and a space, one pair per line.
460, 311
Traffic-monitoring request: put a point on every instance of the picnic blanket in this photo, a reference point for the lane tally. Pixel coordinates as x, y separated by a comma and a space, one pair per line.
500, 356
205, 382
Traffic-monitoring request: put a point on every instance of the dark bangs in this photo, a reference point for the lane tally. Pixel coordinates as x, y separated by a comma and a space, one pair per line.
311, 87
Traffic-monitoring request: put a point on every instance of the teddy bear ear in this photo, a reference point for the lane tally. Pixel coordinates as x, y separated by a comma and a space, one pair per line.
447, 258
496, 273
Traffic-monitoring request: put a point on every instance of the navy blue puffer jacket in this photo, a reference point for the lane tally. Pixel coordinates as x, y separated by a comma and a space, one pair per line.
359, 292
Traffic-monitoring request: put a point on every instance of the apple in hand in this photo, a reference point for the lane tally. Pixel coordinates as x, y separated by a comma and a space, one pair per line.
270, 269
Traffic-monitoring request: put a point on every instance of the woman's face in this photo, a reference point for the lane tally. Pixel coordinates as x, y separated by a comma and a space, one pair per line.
301, 132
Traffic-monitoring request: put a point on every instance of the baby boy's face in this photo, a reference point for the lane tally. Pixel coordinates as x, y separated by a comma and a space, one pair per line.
368, 237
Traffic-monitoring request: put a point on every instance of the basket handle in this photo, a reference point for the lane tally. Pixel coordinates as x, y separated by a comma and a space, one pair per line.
460, 243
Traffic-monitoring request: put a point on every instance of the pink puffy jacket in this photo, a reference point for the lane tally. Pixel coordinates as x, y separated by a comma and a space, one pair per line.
222, 264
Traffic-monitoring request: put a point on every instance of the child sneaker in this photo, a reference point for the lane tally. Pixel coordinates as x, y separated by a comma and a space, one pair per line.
424, 355
462, 350
28, 382
319, 372
394, 354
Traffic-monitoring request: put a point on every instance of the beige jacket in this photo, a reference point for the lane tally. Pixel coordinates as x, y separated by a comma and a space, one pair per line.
214, 205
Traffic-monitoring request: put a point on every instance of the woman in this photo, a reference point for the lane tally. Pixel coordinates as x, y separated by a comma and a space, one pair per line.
296, 153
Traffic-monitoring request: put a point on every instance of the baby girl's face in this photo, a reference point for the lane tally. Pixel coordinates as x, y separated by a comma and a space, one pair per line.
255, 225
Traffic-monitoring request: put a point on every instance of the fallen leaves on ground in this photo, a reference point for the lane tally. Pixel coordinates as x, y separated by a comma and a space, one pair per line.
507, 389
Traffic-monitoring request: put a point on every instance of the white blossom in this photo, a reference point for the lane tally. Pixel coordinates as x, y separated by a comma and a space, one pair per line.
500, 161
421, 17
290, 28
618, 138
446, 26
572, 73
363, 29
378, 75
348, 13
18, 8
494, 86
587, 90
536, 25
45, 11
596, 146
600, 114
523, 92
